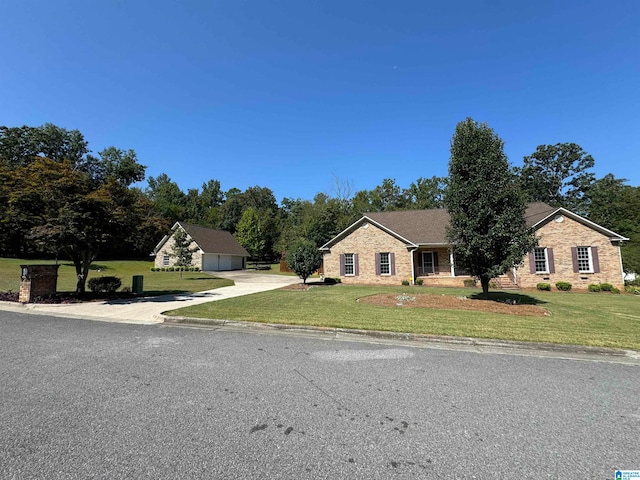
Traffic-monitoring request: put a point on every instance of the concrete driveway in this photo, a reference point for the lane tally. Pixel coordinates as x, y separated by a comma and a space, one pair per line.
145, 310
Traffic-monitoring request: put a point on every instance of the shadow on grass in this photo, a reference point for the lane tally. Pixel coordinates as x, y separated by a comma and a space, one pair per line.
509, 298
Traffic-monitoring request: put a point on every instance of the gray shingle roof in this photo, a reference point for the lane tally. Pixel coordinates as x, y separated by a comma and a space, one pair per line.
214, 241
429, 227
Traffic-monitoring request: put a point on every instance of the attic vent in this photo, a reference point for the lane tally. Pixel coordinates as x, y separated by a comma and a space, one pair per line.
365, 225
559, 218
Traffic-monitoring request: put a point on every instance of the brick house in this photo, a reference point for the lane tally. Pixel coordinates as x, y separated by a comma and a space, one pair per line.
215, 250
388, 247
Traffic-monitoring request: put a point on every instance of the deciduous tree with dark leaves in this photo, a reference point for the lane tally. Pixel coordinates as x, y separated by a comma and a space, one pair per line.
487, 209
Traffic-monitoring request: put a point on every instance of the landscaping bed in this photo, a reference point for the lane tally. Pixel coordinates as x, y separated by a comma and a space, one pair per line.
70, 297
450, 302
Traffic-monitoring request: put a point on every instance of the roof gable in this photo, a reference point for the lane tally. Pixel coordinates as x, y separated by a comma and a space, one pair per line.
209, 240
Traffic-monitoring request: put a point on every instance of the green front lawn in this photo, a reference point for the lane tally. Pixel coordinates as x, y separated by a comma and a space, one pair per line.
155, 283
594, 319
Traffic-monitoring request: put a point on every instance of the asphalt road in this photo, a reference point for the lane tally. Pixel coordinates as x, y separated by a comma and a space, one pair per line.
83, 399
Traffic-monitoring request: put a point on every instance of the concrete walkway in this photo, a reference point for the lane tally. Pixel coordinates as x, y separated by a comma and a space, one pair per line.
147, 310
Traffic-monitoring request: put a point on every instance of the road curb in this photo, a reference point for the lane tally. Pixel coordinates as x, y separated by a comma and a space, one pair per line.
406, 337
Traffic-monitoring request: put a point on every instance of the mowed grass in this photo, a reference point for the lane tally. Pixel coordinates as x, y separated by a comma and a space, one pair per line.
593, 319
155, 283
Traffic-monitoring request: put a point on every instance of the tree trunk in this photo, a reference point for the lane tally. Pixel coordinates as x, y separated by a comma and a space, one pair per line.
82, 261
484, 281
82, 280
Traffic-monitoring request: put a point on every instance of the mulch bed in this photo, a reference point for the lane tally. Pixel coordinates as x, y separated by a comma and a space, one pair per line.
450, 302
69, 297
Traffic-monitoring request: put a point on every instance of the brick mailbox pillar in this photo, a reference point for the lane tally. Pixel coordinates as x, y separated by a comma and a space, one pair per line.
37, 281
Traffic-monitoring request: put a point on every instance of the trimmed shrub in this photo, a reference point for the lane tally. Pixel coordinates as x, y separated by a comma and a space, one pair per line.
606, 287
632, 289
544, 286
419, 281
405, 282
615, 290
563, 286
104, 284
469, 283
594, 287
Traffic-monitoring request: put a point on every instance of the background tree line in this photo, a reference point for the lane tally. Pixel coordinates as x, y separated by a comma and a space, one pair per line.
57, 198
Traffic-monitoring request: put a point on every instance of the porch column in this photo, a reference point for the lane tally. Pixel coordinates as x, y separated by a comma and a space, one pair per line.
453, 267
413, 268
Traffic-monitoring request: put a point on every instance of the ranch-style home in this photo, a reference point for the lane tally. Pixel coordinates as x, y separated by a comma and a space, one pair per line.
389, 247
214, 250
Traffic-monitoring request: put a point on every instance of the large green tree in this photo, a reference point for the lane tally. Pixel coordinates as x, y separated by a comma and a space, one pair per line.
558, 175
616, 206
487, 209
20, 146
62, 210
426, 193
168, 200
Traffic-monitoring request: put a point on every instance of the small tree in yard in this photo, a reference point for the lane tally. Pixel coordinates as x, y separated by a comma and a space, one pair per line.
181, 249
304, 258
250, 235
487, 225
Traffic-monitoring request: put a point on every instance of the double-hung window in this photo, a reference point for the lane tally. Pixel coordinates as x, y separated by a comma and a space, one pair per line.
541, 261
349, 264
585, 263
165, 260
385, 264
585, 259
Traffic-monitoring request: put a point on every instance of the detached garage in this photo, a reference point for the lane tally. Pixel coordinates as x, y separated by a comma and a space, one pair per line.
214, 250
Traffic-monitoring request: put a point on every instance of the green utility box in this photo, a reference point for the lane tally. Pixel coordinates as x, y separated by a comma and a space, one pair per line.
137, 285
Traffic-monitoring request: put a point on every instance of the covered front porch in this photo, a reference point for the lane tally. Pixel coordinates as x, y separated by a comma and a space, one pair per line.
435, 266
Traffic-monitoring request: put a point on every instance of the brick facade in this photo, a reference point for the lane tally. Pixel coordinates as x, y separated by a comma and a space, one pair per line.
167, 249
562, 236
366, 241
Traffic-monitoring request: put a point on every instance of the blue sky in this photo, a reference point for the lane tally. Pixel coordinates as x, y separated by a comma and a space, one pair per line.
292, 94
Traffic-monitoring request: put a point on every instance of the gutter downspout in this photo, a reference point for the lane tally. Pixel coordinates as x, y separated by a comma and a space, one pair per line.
621, 265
